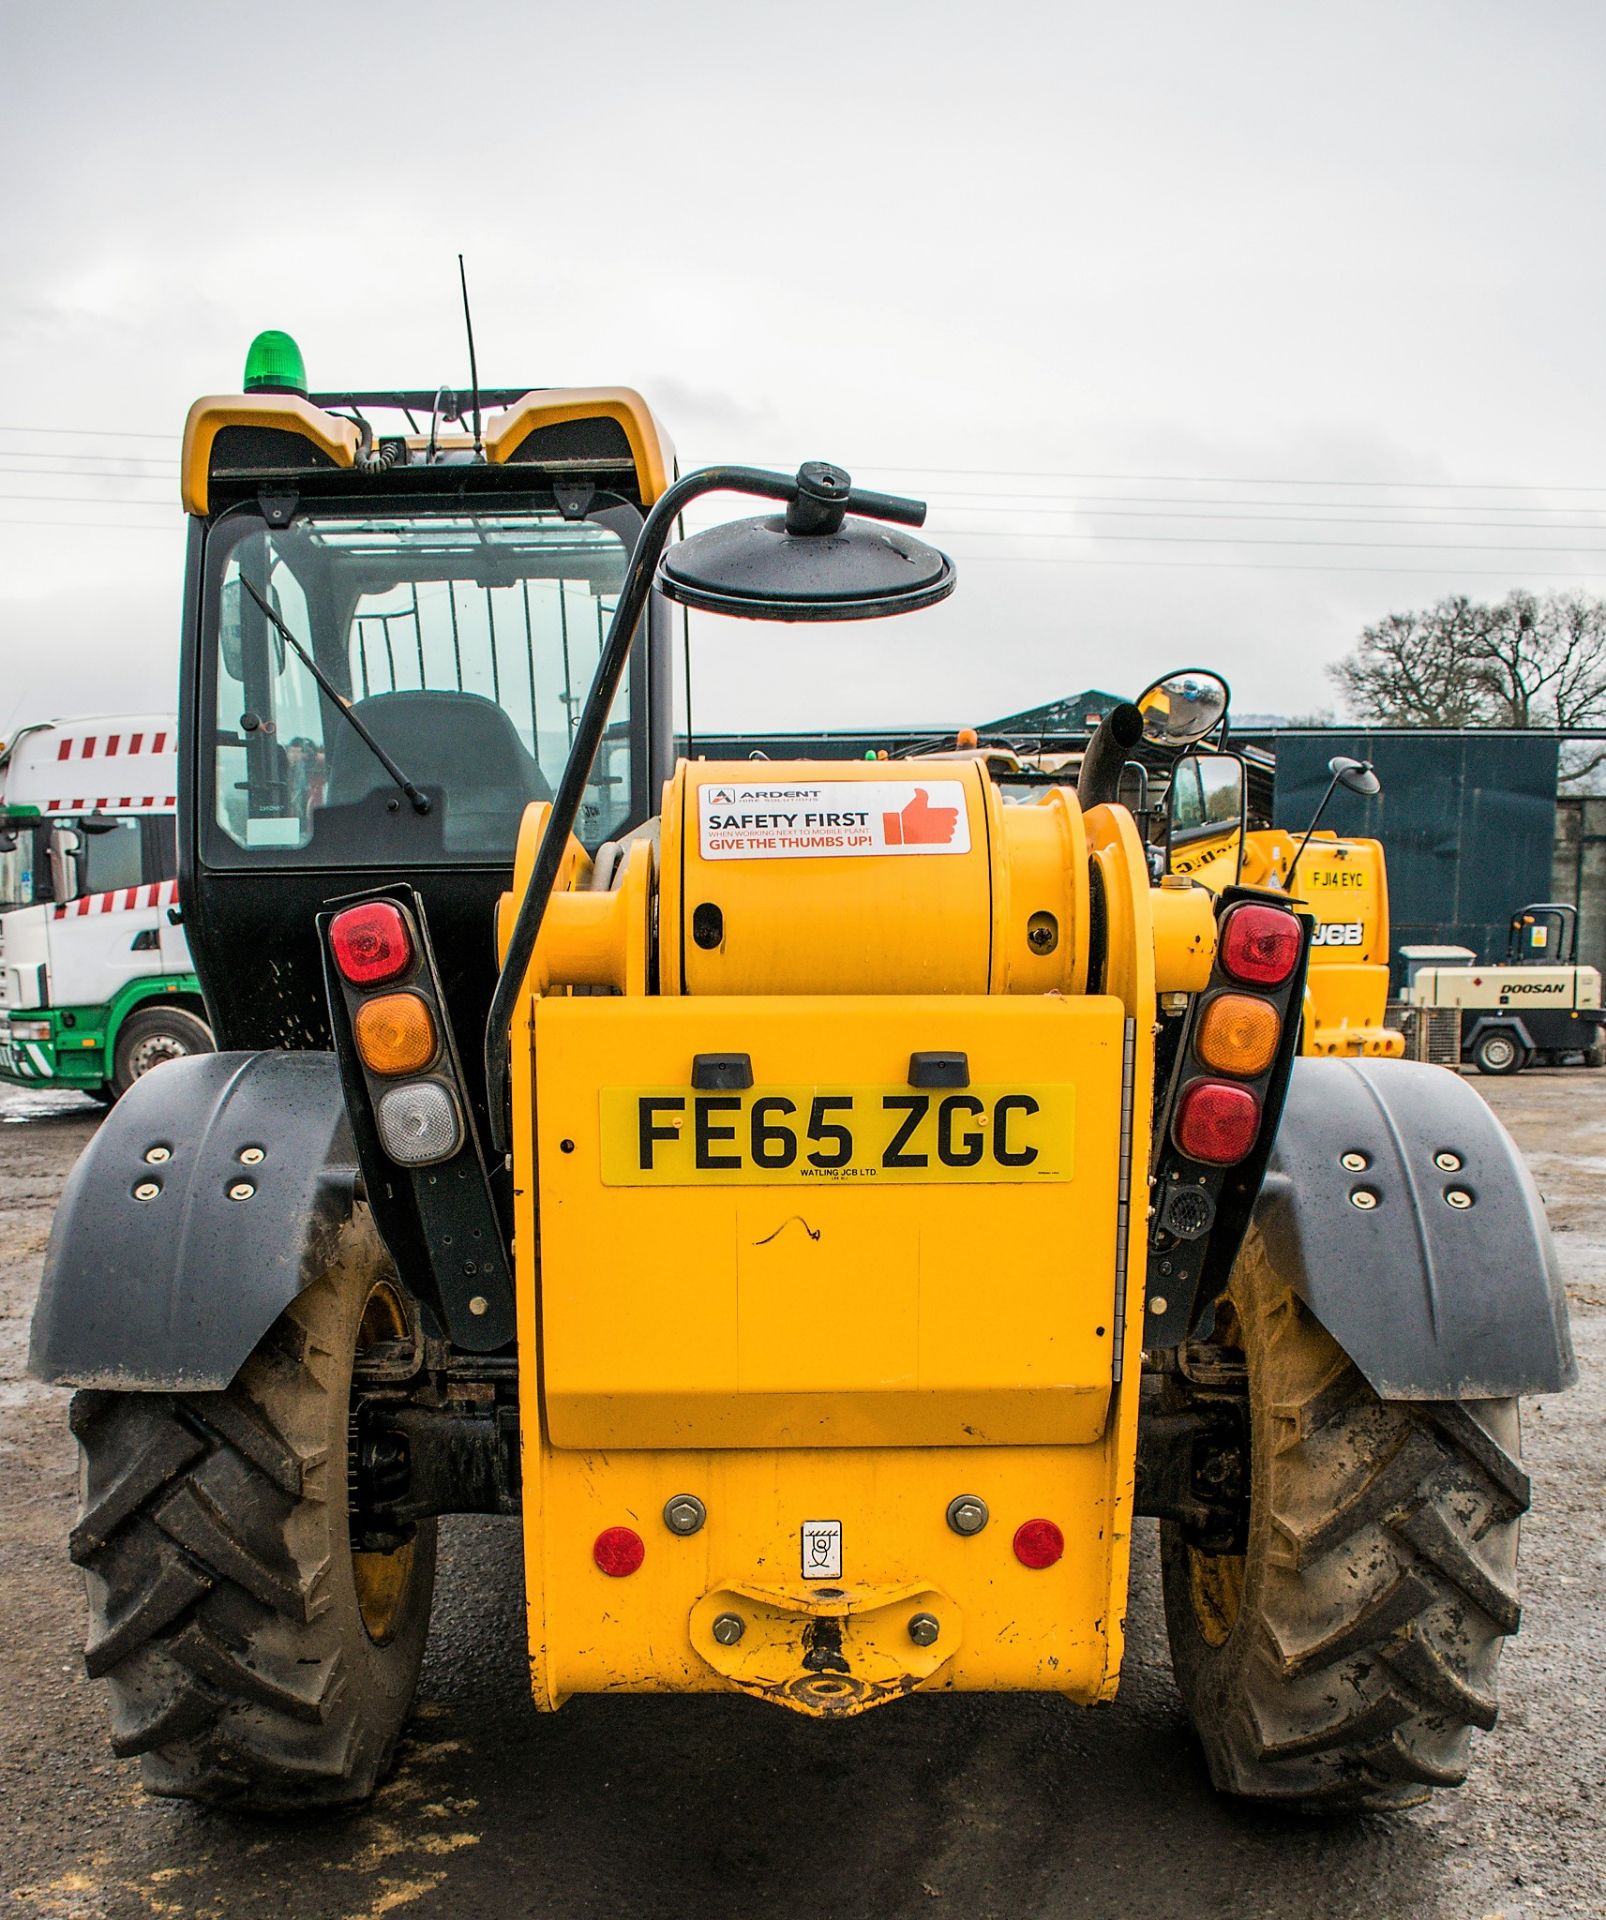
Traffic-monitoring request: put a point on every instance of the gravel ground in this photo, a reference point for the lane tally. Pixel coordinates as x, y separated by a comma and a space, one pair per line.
958, 1806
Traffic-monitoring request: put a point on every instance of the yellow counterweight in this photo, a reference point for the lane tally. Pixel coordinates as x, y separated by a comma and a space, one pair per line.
825, 1220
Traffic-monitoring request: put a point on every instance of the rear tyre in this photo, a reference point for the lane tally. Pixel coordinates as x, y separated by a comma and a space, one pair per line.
153, 1036
1341, 1662
1499, 1052
254, 1660
1595, 1056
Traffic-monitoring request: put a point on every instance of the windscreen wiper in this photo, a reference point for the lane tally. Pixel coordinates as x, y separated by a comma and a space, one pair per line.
420, 800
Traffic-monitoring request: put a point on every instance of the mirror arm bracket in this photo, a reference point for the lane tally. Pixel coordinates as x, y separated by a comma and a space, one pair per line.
651, 544
1338, 766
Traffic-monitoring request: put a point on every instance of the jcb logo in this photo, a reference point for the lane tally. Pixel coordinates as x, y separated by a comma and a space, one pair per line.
1339, 933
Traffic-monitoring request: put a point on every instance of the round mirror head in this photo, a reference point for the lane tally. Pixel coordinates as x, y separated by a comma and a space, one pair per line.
1181, 709
758, 570
1355, 776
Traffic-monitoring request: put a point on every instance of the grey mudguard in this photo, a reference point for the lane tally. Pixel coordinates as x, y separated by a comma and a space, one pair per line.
174, 1290
1432, 1301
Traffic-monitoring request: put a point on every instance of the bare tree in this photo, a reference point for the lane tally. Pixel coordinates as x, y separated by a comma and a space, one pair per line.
1530, 660
1416, 669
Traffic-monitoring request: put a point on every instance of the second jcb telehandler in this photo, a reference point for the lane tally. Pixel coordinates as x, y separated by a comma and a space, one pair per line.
1340, 880
633, 1145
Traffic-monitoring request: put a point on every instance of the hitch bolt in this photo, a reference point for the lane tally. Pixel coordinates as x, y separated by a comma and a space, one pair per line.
251, 1156
967, 1513
1447, 1162
479, 1304
685, 1514
1458, 1198
924, 1628
157, 1155
1354, 1162
241, 1190
728, 1628
146, 1190
1364, 1198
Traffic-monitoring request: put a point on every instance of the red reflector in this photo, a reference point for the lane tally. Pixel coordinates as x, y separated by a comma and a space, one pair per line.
1215, 1123
618, 1551
1260, 945
1038, 1543
371, 943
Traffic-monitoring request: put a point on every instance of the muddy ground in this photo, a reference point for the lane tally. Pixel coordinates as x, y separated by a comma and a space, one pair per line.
710, 1807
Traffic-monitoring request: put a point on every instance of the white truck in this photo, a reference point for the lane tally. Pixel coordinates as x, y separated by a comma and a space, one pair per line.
96, 982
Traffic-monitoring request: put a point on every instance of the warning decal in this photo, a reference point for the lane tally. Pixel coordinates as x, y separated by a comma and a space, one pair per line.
834, 817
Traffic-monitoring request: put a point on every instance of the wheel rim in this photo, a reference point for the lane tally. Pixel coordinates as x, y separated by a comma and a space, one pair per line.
1216, 1588
381, 1579
1499, 1051
155, 1050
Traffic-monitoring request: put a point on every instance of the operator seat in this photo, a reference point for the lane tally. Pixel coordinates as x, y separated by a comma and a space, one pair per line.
460, 743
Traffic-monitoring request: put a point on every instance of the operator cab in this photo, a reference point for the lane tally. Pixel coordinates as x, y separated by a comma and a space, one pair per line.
395, 608
1543, 934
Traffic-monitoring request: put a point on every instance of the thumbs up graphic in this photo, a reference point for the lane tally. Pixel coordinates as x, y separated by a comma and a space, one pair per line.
920, 824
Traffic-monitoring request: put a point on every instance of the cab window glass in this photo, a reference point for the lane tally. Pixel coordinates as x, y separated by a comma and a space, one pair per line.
466, 645
110, 855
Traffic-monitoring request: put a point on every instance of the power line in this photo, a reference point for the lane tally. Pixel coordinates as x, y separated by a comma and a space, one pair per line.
1255, 540
77, 500
1340, 517
1232, 479
93, 433
1279, 566
1046, 559
1032, 473
1023, 502
1142, 510
60, 453
66, 473
94, 526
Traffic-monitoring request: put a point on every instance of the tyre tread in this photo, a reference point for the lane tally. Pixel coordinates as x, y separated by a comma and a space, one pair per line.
1370, 1633
204, 1537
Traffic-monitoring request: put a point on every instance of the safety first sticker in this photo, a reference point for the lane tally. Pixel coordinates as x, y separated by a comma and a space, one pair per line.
833, 818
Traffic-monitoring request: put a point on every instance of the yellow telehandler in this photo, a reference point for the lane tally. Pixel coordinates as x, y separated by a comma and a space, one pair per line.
1340, 880
827, 1206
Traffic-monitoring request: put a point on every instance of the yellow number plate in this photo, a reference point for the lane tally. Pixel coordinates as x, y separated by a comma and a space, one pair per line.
671, 1136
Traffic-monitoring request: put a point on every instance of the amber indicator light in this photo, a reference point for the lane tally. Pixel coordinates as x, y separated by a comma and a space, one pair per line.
1238, 1034
395, 1033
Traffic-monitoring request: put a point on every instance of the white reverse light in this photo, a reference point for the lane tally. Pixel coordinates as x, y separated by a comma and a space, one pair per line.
419, 1123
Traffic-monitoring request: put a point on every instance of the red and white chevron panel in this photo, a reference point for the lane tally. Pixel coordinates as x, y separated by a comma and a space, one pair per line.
108, 766
154, 893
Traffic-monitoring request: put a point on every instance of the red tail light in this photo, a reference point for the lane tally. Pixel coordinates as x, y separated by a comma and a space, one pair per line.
1216, 1123
618, 1551
371, 943
1260, 945
1038, 1543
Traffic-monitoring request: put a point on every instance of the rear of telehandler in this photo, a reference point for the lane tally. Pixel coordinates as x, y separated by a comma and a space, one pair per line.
871, 1199
1340, 880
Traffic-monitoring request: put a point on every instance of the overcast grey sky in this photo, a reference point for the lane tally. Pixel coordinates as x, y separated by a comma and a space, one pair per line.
1128, 290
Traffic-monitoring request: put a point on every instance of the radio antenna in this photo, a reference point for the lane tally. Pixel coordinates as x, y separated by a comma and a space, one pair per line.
473, 366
